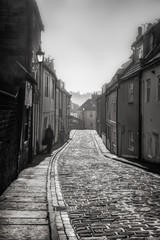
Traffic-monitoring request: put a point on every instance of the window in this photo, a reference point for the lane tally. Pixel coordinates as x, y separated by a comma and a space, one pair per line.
114, 104
114, 137
52, 88
131, 140
130, 93
26, 125
46, 85
155, 145
108, 132
150, 47
158, 90
107, 103
149, 145
148, 89
140, 51
91, 115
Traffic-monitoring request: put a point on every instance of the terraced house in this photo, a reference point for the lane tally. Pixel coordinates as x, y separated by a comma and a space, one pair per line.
133, 131
150, 96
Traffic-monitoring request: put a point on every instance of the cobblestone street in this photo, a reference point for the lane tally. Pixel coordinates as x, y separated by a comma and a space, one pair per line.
107, 199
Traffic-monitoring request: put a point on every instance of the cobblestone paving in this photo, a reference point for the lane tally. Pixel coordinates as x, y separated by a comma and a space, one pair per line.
107, 199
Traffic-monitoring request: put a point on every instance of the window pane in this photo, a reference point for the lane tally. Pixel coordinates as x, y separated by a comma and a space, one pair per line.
148, 82
158, 93
130, 92
131, 141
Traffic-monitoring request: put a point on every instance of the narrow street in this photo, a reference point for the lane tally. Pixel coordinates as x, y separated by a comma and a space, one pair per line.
78, 193
107, 199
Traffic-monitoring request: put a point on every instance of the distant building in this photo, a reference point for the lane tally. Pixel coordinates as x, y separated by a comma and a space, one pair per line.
75, 123
79, 98
87, 113
73, 109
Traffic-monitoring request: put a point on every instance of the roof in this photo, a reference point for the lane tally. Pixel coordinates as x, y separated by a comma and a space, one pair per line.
133, 70
156, 57
89, 105
11, 91
120, 71
45, 65
27, 75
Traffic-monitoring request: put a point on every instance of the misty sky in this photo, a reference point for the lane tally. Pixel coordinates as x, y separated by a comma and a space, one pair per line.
91, 39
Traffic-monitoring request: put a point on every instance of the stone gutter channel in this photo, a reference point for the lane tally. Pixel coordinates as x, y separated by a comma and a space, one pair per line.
60, 226
106, 153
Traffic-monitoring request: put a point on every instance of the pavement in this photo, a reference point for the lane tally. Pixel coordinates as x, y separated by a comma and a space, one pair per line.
82, 191
23, 206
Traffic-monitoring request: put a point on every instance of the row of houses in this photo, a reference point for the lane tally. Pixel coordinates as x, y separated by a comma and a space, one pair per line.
128, 109
31, 95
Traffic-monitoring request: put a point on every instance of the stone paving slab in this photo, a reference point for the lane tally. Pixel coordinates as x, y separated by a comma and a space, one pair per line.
22, 214
23, 206
12, 198
23, 221
19, 232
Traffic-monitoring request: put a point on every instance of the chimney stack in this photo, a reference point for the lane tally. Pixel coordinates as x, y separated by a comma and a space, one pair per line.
139, 31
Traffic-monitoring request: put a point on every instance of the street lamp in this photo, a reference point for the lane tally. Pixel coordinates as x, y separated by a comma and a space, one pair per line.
40, 59
40, 55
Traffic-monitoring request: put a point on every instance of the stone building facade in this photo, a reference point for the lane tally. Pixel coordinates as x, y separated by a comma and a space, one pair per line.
20, 32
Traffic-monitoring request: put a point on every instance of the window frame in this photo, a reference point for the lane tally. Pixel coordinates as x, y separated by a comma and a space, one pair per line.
46, 84
131, 92
148, 90
131, 145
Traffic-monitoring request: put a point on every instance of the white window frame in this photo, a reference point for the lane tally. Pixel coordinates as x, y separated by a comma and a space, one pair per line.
155, 145
130, 92
131, 140
148, 90
149, 145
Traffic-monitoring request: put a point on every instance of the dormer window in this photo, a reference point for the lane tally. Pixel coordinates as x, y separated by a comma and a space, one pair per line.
140, 51
150, 43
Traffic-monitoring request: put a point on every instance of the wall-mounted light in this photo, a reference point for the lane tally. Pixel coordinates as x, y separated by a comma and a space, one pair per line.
40, 55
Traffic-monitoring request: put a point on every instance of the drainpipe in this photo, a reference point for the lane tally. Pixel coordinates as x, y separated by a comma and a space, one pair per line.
106, 130
140, 119
55, 108
117, 150
40, 103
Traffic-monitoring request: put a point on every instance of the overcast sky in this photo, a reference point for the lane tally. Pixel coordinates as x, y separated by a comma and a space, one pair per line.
91, 39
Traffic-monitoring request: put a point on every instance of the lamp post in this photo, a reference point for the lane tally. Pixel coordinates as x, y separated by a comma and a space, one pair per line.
40, 59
